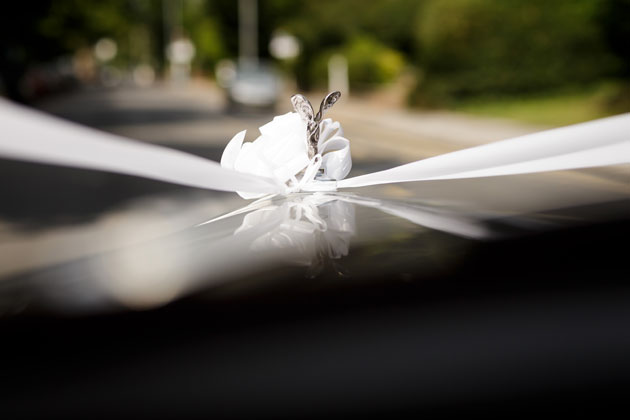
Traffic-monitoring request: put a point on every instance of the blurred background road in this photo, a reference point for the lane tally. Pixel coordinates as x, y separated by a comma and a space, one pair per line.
197, 118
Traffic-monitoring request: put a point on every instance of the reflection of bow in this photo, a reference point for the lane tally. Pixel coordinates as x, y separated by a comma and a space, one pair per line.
312, 227
307, 228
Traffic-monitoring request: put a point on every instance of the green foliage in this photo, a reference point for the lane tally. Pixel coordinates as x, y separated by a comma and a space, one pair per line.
208, 43
350, 26
488, 47
462, 48
73, 24
370, 63
204, 31
614, 18
563, 107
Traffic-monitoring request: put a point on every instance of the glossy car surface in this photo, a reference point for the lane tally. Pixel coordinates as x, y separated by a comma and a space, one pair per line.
433, 296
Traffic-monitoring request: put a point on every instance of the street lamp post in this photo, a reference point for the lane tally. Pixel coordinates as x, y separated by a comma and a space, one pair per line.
248, 32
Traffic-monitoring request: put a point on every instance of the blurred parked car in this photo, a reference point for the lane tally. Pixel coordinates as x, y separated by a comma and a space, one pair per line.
254, 86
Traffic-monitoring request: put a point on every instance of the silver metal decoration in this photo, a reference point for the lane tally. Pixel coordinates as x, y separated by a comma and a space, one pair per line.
304, 108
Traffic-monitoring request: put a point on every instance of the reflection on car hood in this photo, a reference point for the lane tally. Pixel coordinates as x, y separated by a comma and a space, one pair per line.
322, 235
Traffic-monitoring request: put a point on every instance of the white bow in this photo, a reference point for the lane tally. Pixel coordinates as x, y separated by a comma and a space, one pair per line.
280, 153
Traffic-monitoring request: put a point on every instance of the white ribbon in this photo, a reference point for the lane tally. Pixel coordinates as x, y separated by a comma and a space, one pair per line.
33, 136
273, 163
596, 143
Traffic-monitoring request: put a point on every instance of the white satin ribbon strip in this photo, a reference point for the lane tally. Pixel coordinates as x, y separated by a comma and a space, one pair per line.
33, 136
597, 143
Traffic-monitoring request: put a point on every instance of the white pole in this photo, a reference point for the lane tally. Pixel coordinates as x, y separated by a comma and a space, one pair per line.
248, 32
338, 75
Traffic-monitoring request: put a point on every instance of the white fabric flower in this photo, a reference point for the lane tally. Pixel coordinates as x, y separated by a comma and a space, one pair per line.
280, 153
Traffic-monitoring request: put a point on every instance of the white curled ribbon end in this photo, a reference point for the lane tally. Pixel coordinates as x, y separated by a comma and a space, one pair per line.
228, 158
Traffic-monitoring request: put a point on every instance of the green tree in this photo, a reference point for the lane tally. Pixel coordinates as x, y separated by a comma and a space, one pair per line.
488, 47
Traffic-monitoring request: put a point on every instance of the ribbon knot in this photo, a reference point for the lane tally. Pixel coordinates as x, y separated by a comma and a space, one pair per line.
310, 173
